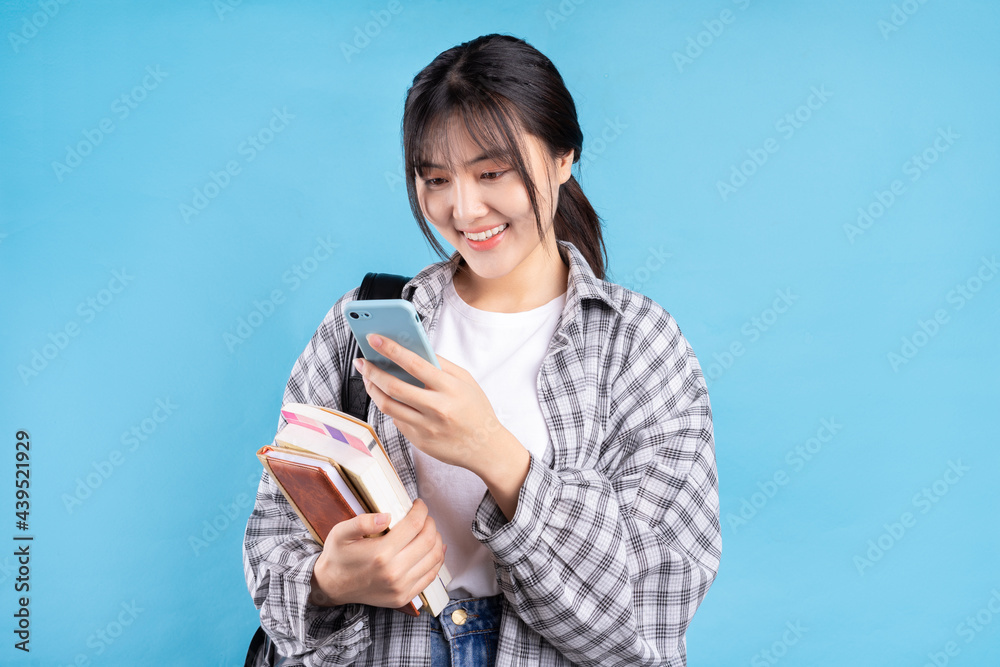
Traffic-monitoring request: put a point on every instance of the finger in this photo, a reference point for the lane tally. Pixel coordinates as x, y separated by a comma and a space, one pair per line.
451, 369
408, 528
430, 556
390, 407
389, 385
448, 366
424, 543
360, 526
424, 582
426, 570
408, 360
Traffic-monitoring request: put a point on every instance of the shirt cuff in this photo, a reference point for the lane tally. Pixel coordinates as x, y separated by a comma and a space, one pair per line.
512, 541
313, 626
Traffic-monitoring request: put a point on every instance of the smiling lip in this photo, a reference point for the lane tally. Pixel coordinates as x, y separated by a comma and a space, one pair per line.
480, 231
489, 243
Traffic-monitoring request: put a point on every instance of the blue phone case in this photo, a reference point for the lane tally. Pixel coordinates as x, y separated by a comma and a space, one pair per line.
396, 319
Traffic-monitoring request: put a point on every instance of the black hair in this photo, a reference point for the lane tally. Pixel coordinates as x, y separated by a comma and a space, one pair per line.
500, 85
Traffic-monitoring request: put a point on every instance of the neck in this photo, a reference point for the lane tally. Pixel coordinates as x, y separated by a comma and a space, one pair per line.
528, 286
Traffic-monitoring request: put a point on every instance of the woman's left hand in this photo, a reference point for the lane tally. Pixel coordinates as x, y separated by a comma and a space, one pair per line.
451, 418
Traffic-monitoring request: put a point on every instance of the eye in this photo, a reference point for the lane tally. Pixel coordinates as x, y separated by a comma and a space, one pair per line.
432, 182
493, 175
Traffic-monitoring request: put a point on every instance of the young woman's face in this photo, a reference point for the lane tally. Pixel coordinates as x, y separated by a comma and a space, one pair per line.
483, 195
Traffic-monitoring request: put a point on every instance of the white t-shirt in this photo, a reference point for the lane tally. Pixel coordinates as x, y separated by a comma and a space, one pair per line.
503, 352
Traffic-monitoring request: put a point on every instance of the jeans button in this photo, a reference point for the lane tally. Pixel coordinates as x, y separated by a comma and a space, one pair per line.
459, 616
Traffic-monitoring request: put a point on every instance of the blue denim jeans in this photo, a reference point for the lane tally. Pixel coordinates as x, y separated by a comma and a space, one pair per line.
466, 633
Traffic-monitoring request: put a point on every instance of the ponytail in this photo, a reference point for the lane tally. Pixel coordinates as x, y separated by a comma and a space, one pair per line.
576, 221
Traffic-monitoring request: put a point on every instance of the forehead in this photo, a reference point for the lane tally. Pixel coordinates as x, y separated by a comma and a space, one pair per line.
453, 140
450, 144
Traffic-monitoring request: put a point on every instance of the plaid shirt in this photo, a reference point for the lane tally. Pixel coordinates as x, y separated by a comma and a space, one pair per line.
616, 538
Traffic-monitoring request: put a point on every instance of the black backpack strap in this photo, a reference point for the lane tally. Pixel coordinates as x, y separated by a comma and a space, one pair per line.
254, 653
353, 398
382, 286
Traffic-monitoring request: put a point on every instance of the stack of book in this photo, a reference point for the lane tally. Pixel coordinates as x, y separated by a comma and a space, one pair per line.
332, 467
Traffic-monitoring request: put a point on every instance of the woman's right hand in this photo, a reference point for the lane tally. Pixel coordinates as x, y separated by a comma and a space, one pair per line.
385, 570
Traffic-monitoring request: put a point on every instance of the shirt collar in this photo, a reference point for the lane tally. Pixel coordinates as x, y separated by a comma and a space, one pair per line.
425, 290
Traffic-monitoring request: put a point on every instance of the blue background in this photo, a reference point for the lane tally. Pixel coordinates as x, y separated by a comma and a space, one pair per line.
333, 172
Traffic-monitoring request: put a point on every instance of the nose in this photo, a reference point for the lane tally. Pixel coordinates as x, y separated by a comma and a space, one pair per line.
467, 204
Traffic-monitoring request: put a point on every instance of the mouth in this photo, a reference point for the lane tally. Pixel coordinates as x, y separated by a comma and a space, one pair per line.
482, 236
487, 240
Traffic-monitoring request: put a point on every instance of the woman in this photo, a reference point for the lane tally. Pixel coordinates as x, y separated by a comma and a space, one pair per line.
564, 450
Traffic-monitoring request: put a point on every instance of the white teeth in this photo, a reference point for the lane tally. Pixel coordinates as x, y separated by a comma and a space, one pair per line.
482, 236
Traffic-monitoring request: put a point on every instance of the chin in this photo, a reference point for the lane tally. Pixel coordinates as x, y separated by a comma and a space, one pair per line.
489, 271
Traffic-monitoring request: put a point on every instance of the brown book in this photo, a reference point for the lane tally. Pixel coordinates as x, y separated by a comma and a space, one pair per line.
356, 450
318, 493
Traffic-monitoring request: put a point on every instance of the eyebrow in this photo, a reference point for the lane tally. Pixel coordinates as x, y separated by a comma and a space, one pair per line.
481, 158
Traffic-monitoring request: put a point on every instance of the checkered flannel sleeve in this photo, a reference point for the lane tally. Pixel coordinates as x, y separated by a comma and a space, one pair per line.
609, 562
278, 551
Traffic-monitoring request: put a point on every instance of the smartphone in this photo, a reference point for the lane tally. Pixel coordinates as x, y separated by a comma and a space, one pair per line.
396, 319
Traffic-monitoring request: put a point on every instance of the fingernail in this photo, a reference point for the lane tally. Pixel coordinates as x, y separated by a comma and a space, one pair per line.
359, 364
382, 520
375, 340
